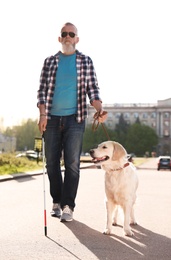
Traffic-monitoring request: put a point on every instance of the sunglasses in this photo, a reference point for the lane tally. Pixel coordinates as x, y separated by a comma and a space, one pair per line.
71, 34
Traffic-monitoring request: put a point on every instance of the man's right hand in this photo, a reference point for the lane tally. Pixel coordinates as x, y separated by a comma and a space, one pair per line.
42, 124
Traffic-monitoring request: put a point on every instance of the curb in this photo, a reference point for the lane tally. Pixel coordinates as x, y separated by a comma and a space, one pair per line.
83, 165
13, 176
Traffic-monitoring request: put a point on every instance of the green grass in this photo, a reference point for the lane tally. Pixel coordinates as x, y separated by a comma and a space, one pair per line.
139, 160
10, 164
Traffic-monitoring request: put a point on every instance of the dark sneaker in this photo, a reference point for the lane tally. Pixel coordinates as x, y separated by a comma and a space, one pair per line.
56, 210
67, 214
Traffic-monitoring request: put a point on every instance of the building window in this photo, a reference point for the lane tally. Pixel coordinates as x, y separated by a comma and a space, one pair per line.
166, 115
166, 132
144, 115
153, 115
110, 114
126, 115
118, 115
166, 123
136, 115
153, 124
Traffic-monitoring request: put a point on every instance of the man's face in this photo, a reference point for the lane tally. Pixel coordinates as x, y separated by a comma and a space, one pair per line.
68, 38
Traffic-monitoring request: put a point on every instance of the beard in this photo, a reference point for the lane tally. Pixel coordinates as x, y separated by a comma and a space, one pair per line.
68, 48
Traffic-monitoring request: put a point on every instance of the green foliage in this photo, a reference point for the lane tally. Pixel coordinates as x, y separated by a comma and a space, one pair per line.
121, 129
93, 138
25, 134
140, 138
136, 138
10, 164
138, 120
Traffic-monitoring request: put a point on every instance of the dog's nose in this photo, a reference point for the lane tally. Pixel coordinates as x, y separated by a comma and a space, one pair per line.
91, 152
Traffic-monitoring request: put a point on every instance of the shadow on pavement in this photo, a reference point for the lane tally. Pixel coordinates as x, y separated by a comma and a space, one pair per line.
143, 245
64, 248
26, 178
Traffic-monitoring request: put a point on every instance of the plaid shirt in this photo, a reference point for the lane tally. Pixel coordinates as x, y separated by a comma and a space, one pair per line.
86, 83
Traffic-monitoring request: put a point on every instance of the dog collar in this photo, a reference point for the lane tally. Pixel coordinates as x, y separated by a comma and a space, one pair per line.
120, 168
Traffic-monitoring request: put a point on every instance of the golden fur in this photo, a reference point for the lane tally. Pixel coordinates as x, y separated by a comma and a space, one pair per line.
121, 183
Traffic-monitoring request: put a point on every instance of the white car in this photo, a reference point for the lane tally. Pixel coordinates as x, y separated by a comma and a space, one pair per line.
30, 154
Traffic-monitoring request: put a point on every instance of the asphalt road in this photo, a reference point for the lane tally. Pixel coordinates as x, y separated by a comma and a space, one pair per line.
22, 221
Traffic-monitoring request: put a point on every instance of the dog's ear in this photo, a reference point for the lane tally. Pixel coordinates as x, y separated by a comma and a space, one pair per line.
118, 151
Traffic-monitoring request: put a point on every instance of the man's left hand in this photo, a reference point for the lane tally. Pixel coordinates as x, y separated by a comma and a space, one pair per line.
101, 116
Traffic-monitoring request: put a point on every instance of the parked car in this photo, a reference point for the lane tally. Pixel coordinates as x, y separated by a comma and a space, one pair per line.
30, 154
22, 154
164, 162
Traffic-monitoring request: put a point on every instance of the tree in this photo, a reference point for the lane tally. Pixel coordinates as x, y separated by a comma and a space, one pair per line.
137, 121
93, 138
136, 138
121, 130
25, 134
140, 139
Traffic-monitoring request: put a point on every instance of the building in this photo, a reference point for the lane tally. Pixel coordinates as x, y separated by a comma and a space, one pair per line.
157, 116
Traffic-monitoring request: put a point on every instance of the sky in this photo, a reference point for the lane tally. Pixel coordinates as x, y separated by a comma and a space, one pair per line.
129, 42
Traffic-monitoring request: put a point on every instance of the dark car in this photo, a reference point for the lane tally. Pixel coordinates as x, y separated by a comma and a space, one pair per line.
164, 163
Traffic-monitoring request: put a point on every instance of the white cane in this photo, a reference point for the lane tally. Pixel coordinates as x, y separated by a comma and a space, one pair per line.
44, 186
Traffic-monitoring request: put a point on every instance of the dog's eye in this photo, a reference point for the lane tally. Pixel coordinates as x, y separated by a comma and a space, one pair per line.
104, 147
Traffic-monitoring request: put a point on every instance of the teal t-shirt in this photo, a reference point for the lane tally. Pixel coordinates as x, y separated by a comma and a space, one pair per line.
65, 95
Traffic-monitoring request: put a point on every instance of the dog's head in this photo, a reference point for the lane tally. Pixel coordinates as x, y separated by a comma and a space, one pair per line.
108, 151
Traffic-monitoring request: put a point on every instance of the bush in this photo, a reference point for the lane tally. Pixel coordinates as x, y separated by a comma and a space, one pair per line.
10, 164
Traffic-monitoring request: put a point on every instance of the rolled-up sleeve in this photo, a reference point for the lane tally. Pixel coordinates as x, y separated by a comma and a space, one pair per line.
92, 83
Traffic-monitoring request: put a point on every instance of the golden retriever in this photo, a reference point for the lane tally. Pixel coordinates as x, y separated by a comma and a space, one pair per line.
121, 183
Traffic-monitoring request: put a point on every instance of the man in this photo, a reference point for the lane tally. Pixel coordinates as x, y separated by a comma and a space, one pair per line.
66, 79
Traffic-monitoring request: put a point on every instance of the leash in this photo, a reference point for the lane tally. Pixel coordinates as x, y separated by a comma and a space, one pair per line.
96, 123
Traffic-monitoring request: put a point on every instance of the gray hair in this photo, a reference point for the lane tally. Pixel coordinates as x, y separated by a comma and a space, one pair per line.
71, 24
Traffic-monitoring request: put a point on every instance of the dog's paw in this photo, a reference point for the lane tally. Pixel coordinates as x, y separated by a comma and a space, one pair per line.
107, 231
128, 232
134, 223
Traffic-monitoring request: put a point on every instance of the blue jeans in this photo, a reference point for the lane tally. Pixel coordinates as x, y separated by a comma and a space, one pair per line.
63, 134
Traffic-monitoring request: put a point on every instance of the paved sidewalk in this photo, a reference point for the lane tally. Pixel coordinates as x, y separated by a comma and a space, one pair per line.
22, 224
